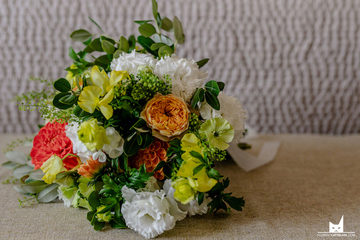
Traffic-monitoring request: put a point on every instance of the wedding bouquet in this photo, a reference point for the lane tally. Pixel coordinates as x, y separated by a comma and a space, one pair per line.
132, 133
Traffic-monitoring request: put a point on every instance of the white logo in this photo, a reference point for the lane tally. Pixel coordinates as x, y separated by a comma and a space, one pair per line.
336, 230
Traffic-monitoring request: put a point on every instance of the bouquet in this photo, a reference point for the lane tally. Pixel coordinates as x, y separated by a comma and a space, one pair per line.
132, 133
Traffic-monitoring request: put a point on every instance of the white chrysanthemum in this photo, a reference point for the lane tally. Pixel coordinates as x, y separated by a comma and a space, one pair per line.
184, 74
230, 109
149, 213
115, 148
131, 61
193, 207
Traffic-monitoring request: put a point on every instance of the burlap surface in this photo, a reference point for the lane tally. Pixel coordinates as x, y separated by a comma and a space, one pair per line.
313, 180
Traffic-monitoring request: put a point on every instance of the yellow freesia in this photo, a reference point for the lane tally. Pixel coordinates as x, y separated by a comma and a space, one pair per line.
116, 77
89, 100
92, 135
190, 143
51, 168
100, 79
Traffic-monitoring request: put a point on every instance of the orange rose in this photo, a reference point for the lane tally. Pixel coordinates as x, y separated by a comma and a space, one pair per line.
168, 116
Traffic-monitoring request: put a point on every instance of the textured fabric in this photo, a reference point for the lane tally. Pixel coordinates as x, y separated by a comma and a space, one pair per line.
313, 180
294, 64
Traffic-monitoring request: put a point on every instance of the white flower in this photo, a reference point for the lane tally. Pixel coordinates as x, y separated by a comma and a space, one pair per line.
230, 109
131, 61
185, 75
149, 213
115, 149
193, 207
79, 147
100, 156
151, 185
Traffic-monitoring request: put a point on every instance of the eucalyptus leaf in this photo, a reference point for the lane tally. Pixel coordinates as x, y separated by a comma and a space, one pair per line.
21, 171
166, 24
96, 45
10, 165
49, 193
147, 30
163, 39
104, 38
62, 85
132, 43
181, 40
202, 62
124, 44
165, 50
154, 8
80, 35
117, 53
142, 22
156, 46
16, 157
108, 47
34, 187
178, 30
20, 190
96, 24
37, 174
146, 43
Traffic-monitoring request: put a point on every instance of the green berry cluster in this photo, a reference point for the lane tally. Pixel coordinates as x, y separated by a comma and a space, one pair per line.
194, 123
148, 85
215, 154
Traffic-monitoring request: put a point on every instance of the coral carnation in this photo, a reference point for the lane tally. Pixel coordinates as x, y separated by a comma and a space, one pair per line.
52, 140
151, 156
90, 168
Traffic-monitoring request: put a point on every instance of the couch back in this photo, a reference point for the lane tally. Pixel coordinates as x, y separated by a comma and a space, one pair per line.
294, 64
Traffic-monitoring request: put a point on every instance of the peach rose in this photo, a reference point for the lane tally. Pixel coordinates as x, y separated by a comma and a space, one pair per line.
168, 116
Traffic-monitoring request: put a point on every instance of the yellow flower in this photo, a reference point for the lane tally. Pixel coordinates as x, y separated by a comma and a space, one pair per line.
116, 77
92, 135
103, 217
190, 143
185, 189
89, 100
70, 77
51, 168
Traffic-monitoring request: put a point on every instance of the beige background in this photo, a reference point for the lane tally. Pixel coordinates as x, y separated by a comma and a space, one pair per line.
313, 180
294, 64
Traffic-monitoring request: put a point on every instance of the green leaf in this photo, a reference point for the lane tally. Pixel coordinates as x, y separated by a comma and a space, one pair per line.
96, 24
181, 40
62, 85
96, 45
88, 49
109, 183
165, 50
198, 169
69, 99
16, 157
108, 47
146, 44
200, 197
22, 170
20, 190
132, 43
178, 30
198, 156
158, 20
49, 193
156, 46
90, 215
142, 22
93, 200
131, 147
103, 38
79, 112
160, 165
213, 87
98, 225
147, 30
117, 224
73, 54
163, 39
235, 203
10, 165
139, 140
124, 44
103, 61
37, 174
117, 53
80, 35
166, 24
212, 173
212, 100
221, 85
197, 97
58, 104
154, 8
202, 62
148, 139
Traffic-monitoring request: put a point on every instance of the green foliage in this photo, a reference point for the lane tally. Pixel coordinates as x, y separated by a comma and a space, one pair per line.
202, 62
221, 199
208, 93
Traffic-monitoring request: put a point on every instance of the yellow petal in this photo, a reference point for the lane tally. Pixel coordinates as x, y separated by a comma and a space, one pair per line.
51, 168
205, 183
99, 79
89, 98
116, 77
104, 106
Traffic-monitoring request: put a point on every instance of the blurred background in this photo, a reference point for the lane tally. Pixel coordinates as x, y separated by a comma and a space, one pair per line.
294, 64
